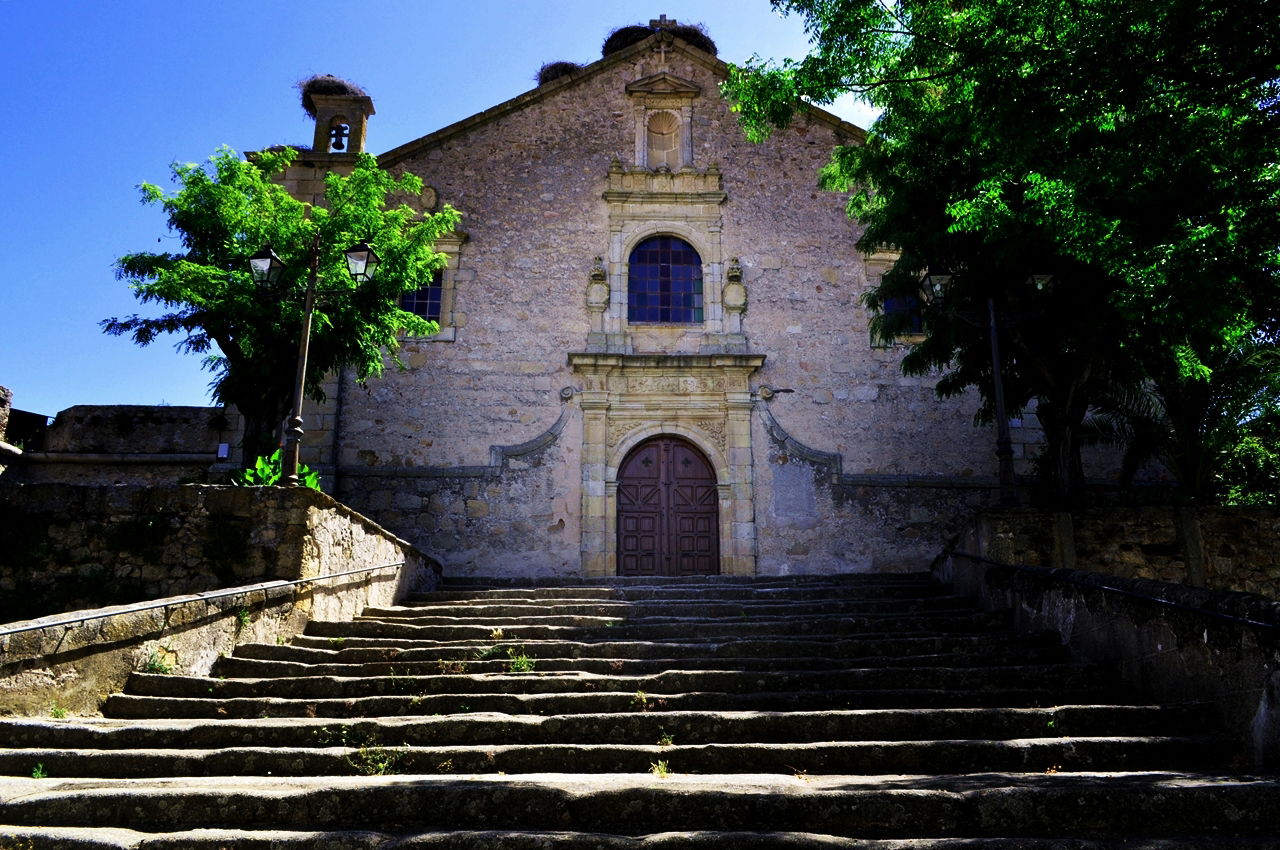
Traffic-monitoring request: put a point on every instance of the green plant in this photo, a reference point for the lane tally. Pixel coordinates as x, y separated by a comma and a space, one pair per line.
268, 472
664, 738
56, 711
375, 761
38, 772
640, 700
486, 652
337, 642
445, 766
496, 634
242, 618
157, 662
660, 769
519, 661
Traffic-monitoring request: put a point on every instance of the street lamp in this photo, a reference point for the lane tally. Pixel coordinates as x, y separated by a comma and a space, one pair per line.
934, 285
266, 268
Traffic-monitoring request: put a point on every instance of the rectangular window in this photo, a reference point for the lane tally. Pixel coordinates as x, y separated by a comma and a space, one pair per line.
425, 301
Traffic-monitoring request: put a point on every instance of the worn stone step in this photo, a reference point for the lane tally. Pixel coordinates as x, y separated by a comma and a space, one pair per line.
716, 583
704, 608
353, 649
114, 838
1071, 721
236, 666
334, 754
782, 593
1090, 805
1067, 676
128, 705
675, 628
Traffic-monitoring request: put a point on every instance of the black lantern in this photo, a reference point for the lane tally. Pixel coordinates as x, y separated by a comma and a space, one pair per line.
362, 262
935, 283
265, 266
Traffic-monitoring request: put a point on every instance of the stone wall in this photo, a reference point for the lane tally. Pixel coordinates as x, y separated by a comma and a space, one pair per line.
1222, 548
65, 547
208, 534
1168, 642
6, 405
134, 445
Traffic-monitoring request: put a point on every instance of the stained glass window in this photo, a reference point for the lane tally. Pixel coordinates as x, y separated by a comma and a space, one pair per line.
664, 282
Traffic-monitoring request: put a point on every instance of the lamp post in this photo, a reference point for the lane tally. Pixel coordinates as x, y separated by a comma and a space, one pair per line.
935, 285
266, 267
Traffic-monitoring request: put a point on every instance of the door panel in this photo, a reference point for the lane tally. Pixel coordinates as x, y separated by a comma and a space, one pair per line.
668, 511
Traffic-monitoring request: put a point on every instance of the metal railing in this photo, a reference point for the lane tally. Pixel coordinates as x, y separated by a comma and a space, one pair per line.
174, 601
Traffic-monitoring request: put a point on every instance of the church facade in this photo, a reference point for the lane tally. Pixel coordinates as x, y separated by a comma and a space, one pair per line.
653, 356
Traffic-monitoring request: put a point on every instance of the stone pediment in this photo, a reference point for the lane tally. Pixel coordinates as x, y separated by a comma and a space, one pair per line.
664, 83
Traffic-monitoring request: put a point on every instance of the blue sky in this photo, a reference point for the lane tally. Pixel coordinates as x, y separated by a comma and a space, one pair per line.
104, 94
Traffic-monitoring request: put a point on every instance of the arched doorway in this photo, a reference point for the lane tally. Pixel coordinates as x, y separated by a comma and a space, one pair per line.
668, 511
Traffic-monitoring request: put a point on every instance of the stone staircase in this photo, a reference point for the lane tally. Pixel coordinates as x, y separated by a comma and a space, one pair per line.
859, 711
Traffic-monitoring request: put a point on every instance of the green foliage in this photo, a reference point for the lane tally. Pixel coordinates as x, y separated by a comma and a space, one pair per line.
226, 210
159, 662
1129, 150
38, 772
519, 661
269, 472
56, 711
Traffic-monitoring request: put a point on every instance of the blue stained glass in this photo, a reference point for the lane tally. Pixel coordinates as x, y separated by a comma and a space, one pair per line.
664, 282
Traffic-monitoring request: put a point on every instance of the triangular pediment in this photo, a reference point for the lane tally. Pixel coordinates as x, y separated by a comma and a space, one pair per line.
666, 83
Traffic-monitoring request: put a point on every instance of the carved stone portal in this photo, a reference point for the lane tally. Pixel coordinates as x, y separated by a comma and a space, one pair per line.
702, 398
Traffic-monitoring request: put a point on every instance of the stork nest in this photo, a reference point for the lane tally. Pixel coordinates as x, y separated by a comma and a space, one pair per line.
556, 70
624, 37
325, 84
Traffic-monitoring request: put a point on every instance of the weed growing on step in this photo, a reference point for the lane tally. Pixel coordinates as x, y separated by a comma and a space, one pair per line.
280, 641
664, 738
38, 772
445, 766
56, 711
375, 761
519, 661
640, 700
660, 769
448, 667
496, 634
242, 618
9, 842
485, 653
336, 643
157, 662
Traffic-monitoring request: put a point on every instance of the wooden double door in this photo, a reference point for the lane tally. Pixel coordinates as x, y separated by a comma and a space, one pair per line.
668, 511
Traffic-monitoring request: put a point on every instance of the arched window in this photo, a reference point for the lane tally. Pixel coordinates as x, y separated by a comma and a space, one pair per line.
664, 282
664, 141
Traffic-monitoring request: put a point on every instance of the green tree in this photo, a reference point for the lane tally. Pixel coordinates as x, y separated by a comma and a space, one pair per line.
226, 210
1130, 150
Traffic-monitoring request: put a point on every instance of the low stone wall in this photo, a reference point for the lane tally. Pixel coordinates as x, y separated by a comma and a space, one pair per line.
65, 547
1221, 548
1169, 643
133, 444
76, 659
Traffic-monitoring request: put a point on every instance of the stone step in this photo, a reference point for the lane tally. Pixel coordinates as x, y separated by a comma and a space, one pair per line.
717, 583
114, 838
131, 706
1049, 805
344, 649
332, 754
706, 608
675, 628
1073, 721
500, 661
1071, 677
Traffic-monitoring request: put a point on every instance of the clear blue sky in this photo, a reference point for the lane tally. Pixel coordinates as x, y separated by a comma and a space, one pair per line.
104, 94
